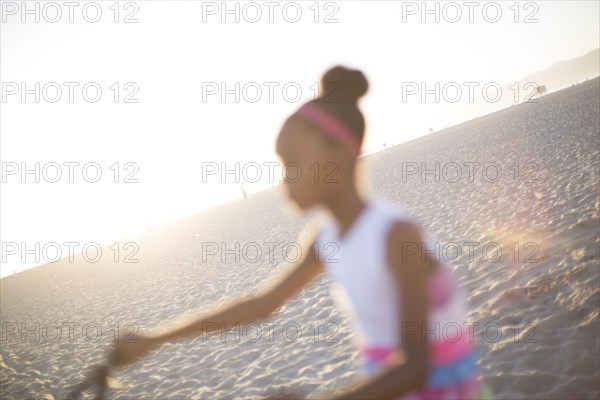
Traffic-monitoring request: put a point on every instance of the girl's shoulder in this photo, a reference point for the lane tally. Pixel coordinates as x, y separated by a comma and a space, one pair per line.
380, 214
392, 211
397, 212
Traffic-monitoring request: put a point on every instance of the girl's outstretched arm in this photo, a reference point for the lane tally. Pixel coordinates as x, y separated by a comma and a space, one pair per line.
252, 308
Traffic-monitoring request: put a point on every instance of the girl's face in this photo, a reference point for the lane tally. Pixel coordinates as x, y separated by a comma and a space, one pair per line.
313, 165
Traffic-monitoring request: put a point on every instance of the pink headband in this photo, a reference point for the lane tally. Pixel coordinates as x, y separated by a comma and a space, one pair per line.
330, 125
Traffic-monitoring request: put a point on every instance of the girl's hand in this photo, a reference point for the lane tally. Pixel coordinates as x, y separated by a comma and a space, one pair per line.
123, 353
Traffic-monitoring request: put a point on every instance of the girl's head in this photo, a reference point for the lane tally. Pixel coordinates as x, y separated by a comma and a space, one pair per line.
319, 143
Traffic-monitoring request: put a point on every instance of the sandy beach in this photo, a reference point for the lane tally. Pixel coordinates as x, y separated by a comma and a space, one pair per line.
513, 198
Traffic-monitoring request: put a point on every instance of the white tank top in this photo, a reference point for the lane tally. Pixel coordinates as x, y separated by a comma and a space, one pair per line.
362, 284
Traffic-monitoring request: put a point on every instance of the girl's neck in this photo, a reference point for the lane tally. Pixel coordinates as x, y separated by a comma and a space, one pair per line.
345, 207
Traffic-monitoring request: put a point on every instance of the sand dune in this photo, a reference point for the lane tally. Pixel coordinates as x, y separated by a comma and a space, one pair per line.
550, 289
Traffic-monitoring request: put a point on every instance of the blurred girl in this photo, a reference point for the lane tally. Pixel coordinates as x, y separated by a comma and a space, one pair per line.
406, 307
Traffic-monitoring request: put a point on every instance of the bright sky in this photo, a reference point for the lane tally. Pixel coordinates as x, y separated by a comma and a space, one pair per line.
174, 60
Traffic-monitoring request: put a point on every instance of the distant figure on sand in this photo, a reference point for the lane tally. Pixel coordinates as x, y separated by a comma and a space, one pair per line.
407, 309
540, 90
244, 194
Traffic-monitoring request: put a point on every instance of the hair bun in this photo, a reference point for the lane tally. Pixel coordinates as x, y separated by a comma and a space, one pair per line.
344, 84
